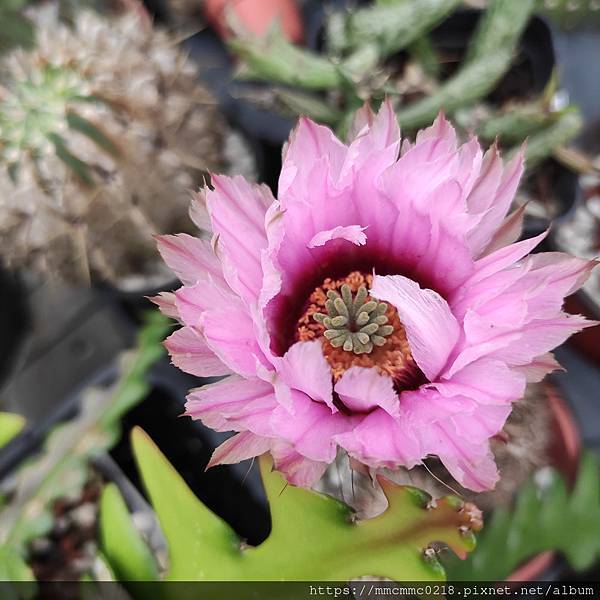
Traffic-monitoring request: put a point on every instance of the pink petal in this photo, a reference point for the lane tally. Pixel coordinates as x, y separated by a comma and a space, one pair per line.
234, 404
486, 380
190, 353
310, 427
166, 304
550, 278
504, 257
541, 336
471, 464
361, 121
501, 199
192, 301
241, 446
481, 424
539, 367
469, 165
237, 211
379, 140
189, 257
484, 190
441, 130
508, 233
303, 367
231, 336
431, 329
363, 389
522, 345
383, 130
297, 469
308, 143
199, 211
382, 441
350, 233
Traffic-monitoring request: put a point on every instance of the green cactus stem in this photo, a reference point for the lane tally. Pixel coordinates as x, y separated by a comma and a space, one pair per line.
488, 58
393, 24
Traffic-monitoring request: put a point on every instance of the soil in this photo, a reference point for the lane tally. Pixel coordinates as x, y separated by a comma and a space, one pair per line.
67, 552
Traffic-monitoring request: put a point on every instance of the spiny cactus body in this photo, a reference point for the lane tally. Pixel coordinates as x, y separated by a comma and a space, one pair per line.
104, 130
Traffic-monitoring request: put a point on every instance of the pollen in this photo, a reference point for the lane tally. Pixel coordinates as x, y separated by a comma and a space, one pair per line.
385, 348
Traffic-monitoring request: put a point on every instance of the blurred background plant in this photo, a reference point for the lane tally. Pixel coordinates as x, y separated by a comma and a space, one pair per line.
389, 49
45, 504
100, 123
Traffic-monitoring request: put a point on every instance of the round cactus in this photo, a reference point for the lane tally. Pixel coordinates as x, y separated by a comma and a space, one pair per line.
104, 131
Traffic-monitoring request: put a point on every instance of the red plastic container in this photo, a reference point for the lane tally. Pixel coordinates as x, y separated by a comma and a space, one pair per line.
255, 16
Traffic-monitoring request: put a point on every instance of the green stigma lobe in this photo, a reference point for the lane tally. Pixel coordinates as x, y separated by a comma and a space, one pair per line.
352, 323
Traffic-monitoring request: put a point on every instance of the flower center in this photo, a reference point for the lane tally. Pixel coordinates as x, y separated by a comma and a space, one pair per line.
346, 342
353, 323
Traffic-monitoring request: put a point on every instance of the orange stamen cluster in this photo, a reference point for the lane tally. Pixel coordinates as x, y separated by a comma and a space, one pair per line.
392, 358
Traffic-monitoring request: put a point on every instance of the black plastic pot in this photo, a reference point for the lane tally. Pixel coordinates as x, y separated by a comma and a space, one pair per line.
559, 191
14, 320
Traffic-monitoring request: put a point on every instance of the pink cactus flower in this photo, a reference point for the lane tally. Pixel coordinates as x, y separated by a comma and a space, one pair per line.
380, 305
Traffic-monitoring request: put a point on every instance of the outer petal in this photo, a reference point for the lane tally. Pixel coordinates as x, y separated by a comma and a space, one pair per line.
508, 233
166, 304
297, 469
191, 354
492, 196
471, 464
426, 317
518, 346
382, 441
362, 389
234, 404
308, 143
230, 335
535, 371
241, 446
380, 130
189, 257
486, 380
237, 211
504, 257
191, 301
310, 427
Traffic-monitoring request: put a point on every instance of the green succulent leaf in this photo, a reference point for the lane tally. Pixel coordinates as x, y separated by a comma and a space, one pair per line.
273, 58
301, 103
550, 518
394, 24
16, 579
10, 425
489, 57
121, 542
312, 537
566, 125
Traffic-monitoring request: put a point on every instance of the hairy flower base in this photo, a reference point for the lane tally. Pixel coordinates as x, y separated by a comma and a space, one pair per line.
392, 358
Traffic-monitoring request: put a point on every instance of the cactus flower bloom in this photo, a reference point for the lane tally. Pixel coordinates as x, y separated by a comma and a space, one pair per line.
380, 305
